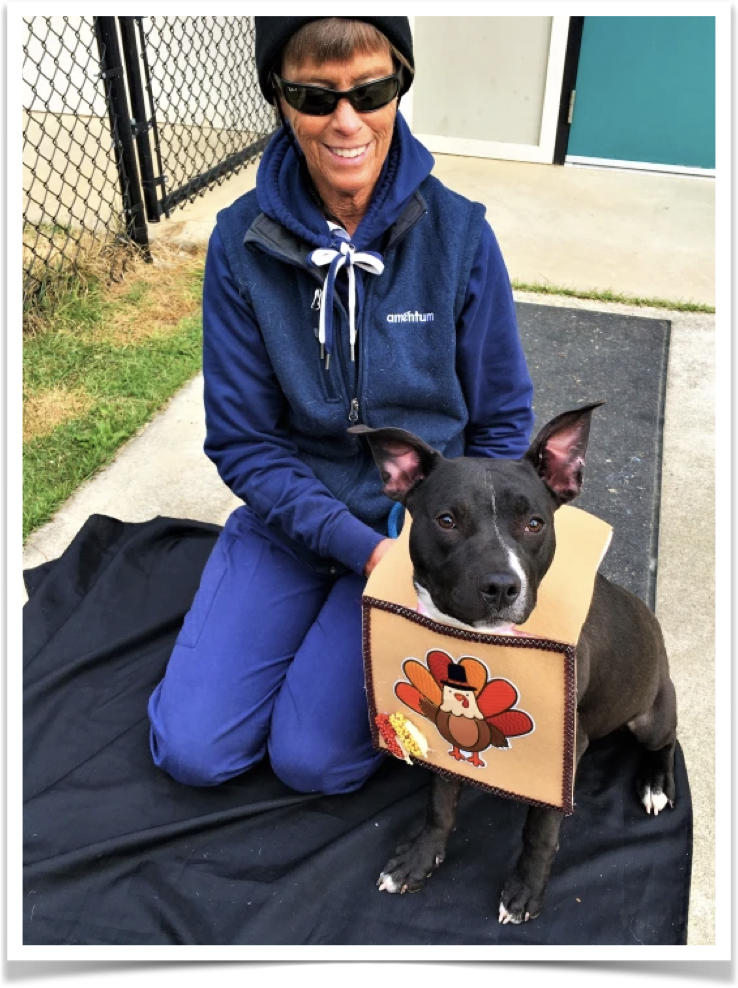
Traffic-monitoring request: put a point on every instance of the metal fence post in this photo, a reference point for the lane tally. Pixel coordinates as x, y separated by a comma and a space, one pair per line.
120, 124
141, 124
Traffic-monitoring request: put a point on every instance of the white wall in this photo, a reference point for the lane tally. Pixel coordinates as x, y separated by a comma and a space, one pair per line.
481, 78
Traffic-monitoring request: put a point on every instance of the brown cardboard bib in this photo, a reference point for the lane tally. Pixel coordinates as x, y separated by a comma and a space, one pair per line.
501, 687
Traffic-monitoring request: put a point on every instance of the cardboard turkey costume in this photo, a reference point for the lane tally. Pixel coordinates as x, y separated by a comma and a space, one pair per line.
497, 711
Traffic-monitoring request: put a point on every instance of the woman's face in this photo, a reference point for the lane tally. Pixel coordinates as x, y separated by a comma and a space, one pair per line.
344, 151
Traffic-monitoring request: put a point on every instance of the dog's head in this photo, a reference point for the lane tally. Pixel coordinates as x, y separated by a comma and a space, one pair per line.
482, 536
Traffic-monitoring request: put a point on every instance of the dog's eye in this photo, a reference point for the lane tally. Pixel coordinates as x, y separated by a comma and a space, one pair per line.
446, 521
534, 525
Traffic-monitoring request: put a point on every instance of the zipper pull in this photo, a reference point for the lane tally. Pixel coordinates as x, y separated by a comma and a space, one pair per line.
353, 415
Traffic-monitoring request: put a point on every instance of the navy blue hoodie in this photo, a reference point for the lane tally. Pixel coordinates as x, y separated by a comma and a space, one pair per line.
437, 347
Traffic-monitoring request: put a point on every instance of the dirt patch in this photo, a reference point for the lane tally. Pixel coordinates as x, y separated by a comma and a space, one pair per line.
44, 411
55, 260
156, 296
141, 298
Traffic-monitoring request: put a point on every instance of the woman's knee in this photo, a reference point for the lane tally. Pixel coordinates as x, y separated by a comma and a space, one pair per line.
194, 756
312, 765
195, 763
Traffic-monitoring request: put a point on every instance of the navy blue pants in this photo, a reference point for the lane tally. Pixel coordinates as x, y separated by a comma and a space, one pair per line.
268, 659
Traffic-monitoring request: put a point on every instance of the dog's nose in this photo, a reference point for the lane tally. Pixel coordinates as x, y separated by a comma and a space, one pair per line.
499, 589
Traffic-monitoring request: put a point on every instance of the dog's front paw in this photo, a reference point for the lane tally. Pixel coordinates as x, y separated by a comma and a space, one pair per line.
519, 902
412, 864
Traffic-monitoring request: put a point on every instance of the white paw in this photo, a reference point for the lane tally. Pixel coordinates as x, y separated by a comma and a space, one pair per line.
654, 799
387, 883
506, 917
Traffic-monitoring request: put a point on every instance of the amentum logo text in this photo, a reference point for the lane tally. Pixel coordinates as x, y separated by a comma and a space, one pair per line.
410, 317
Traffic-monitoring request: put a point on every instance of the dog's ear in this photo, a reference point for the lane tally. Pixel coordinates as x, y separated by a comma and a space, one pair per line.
403, 459
558, 452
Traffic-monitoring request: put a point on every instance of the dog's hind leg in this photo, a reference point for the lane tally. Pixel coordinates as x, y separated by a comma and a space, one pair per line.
415, 860
656, 731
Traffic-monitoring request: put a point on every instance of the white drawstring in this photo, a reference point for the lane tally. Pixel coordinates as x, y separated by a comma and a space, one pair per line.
343, 255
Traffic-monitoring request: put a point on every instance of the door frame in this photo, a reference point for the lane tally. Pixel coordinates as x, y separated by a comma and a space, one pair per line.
544, 151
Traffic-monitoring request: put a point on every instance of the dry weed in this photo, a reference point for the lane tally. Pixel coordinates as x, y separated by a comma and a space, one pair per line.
43, 411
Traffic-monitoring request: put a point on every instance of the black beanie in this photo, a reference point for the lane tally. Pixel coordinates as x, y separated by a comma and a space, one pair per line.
273, 33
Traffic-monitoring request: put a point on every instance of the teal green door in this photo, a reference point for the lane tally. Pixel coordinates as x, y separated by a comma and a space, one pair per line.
645, 91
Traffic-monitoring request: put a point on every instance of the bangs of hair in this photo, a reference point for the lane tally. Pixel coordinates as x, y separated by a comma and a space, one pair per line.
335, 39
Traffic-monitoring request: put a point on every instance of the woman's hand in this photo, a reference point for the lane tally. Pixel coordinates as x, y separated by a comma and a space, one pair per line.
379, 551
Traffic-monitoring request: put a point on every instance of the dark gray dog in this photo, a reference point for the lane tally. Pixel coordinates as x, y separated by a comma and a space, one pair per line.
482, 539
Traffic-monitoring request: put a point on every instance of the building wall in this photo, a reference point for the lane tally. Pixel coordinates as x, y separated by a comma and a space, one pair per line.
481, 77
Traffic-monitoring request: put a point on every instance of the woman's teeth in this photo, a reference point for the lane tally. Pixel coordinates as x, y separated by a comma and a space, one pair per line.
349, 152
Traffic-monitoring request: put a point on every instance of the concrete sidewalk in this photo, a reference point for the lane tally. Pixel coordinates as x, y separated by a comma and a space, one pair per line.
641, 234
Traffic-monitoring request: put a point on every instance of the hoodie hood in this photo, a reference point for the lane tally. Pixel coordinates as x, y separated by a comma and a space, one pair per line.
283, 188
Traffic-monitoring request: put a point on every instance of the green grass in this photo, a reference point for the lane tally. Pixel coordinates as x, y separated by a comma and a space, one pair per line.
605, 295
128, 385
83, 344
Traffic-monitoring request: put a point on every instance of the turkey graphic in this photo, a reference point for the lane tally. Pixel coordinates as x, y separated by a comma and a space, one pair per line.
469, 710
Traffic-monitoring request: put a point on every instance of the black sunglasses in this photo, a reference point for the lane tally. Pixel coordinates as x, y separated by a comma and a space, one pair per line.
319, 102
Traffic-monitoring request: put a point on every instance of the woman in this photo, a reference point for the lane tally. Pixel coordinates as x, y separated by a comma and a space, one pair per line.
349, 286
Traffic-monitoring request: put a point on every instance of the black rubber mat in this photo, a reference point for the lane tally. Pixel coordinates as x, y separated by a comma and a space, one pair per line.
577, 356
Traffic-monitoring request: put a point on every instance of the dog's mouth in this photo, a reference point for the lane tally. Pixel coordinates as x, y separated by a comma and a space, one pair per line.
518, 613
501, 623
491, 621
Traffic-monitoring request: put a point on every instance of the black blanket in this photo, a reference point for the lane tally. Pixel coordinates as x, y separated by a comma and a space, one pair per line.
118, 853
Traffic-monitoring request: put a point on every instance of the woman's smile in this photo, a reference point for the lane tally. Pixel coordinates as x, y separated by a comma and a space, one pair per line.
344, 150
349, 154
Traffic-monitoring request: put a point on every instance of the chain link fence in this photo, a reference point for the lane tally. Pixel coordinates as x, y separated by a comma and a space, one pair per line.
211, 118
71, 192
124, 120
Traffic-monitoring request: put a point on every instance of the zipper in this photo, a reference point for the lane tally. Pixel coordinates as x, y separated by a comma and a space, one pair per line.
344, 369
